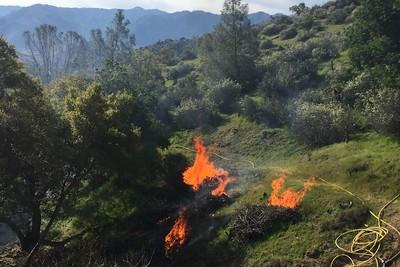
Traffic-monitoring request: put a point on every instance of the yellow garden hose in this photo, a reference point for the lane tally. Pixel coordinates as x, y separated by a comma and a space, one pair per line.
366, 243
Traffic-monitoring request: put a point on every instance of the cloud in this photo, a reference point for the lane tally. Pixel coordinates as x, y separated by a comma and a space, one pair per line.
270, 6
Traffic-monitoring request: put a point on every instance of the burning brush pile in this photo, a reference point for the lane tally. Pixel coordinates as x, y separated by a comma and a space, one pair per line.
253, 222
203, 174
250, 222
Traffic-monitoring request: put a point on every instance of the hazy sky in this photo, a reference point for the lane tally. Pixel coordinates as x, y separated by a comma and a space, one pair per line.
270, 6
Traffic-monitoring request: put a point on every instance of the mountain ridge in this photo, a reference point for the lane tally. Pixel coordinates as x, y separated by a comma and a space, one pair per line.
148, 25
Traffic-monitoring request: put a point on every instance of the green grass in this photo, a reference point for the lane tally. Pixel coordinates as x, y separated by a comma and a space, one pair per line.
367, 166
335, 28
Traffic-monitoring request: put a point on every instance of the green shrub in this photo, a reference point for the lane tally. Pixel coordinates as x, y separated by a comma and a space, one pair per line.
270, 111
180, 71
272, 29
382, 108
224, 95
304, 35
288, 34
248, 108
319, 124
338, 16
288, 72
282, 20
266, 44
192, 114
325, 47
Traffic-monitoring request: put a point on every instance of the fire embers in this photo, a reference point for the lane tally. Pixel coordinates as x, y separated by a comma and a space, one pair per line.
289, 198
178, 235
203, 170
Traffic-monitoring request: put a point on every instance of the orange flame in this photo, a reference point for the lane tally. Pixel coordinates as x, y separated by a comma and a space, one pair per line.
288, 198
220, 189
204, 170
177, 236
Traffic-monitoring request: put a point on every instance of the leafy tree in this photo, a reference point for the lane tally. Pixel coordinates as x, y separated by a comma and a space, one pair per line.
140, 76
119, 41
59, 89
299, 9
39, 169
49, 159
373, 37
230, 51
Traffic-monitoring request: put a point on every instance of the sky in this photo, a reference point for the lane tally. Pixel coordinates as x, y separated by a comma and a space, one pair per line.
269, 6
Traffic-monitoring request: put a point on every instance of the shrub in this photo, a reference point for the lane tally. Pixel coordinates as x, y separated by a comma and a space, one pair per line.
304, 35
319, 124
187, 87
319, 13
287, 72
248, 108
272, 29
180, 71
192, 114
266, 44
224, 95
306, 21
338, 16
288, 34
282, 20
270, 111
382, 108
325, 47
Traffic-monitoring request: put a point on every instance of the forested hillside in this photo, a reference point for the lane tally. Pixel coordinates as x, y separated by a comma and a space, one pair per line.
251, 145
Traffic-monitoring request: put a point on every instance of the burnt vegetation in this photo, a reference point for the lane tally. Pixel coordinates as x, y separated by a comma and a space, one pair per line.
255, 222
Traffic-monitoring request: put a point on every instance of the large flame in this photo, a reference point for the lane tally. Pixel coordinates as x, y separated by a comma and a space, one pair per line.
205, 170
178, 235
288, 198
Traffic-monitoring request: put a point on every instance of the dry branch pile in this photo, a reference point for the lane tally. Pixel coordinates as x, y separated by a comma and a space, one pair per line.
253, 222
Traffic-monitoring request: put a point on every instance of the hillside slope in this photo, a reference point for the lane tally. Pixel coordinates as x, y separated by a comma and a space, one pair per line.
359, 166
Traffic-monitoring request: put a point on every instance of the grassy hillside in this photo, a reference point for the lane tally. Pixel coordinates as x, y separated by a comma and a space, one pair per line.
367, 166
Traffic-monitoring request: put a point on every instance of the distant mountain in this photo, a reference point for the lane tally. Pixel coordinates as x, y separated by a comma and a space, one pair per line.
5, 10
149, 25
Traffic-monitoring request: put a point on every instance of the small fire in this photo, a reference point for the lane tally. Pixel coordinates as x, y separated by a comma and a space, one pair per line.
222, 183
288, 198
204, 170
178, 235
